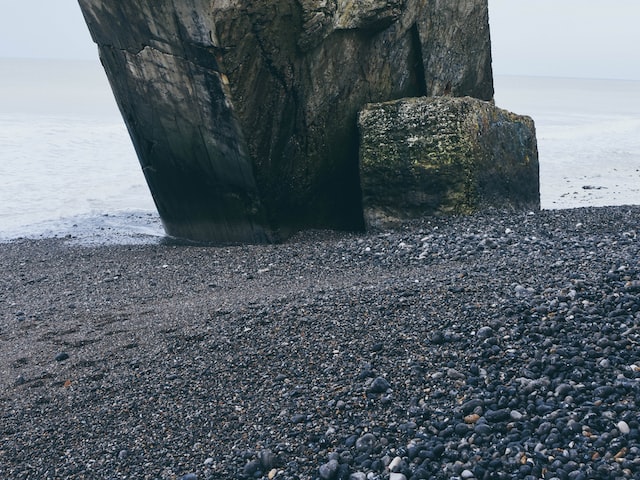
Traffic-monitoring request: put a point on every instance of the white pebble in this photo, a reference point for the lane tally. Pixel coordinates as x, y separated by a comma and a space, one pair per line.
397, 476
394, 466
516, 415
623, 427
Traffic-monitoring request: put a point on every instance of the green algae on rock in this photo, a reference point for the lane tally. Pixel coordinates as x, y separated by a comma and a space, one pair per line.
440, 155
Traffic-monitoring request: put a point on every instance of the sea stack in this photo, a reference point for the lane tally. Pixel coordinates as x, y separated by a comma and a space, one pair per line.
244, 113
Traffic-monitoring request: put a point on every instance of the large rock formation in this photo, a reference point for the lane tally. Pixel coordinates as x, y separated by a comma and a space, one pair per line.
243, 112
445, 155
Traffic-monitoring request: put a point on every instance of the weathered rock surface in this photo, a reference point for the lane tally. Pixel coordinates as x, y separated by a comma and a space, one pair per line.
243, 112
424, 156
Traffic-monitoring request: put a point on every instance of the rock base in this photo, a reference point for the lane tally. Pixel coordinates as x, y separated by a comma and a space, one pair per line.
445, 155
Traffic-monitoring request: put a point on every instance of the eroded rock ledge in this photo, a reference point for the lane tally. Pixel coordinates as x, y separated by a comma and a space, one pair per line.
243, 112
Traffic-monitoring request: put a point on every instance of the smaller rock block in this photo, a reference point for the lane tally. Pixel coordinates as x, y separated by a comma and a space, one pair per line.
445, 155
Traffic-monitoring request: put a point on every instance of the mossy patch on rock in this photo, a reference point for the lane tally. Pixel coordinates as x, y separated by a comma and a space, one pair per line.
445, 155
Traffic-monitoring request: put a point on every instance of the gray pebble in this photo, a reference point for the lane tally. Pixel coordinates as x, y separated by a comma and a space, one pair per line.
379, 385
366, 442
395, 464
454, 374
267, 459
252, 467
397, 476
563, 390
484, 333
298, 418
329, 470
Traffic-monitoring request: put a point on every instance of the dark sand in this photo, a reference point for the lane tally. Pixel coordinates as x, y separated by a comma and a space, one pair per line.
163, 362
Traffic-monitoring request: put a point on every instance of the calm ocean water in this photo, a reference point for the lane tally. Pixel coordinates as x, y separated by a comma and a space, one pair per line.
588, 137
67, 166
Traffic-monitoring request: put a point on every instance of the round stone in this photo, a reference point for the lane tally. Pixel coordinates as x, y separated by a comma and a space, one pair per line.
62, 356
379, 385
395, 464
329, 470
623, 427
484, 333
366, 442
516, 415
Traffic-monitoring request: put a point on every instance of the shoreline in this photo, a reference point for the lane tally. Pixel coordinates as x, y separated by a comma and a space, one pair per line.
586, 138
143, 227
501, 345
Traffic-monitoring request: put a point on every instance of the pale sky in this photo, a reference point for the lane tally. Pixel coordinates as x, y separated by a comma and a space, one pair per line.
565, 38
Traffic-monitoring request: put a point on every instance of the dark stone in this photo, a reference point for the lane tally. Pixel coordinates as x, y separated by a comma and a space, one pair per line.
462, 429
62, 356
252, 467
497, 415
329, 470
267, 459
470, 405
243, 112
298, 418
438, 338
483, 429
484, 332
379, 385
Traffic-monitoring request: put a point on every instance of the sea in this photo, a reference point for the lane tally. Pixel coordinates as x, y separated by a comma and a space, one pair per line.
68, 168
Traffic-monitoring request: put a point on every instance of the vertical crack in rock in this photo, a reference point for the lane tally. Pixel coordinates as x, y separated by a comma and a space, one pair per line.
418, 62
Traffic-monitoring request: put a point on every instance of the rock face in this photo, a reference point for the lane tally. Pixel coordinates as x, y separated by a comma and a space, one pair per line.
243, 112
425, 156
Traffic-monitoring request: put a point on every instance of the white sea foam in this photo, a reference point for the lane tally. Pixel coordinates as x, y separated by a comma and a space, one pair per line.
67, 164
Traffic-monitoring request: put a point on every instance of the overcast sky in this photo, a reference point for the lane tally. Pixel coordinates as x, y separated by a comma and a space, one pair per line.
574, 38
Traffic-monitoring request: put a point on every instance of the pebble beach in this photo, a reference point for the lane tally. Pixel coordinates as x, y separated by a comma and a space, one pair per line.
503, 345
